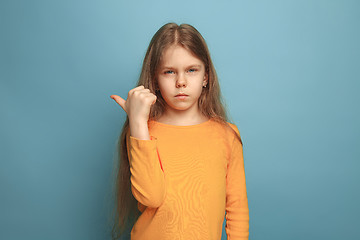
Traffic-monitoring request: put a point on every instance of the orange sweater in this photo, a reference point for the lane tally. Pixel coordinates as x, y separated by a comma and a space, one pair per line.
184, 179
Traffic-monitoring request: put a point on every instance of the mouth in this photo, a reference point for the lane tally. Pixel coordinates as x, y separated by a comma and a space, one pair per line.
181, 96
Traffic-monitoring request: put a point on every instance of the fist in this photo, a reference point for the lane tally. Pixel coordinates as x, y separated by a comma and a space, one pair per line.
138, 103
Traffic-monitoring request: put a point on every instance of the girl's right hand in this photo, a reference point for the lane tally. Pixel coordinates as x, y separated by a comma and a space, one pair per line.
137, 105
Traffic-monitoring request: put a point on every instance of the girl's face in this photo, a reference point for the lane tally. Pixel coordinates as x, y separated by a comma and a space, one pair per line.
181, 77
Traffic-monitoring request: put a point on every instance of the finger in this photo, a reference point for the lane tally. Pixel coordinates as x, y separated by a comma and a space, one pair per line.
135, 89
144, 90
150, 97
154, 101
139, 87
120, 101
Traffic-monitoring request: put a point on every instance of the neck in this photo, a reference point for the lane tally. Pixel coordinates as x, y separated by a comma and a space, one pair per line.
182, 118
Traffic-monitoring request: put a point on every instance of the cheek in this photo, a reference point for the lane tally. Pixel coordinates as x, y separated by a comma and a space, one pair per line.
160, 82
199, 84
200, 90
164, 88
163, 85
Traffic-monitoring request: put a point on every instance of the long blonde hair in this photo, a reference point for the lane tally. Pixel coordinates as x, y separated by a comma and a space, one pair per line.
210, 103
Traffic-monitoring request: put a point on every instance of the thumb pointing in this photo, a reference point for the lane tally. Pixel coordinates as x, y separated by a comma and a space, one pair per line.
120, 101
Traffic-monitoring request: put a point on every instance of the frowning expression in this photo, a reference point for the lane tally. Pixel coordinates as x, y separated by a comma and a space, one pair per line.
181, 77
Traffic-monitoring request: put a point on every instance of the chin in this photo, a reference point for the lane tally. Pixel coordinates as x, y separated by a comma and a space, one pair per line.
181, 107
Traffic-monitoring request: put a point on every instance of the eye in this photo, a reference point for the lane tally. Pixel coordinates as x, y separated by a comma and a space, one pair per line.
191, 70
168, 72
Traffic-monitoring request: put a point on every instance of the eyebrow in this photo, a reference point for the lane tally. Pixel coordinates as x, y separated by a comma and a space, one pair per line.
190, 66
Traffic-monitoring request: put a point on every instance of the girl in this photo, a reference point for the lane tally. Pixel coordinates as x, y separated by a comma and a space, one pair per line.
181, 161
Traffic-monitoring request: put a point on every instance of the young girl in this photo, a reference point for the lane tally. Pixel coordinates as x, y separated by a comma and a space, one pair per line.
181, 161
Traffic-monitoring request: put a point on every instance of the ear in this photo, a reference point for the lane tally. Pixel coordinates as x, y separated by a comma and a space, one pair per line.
205, 79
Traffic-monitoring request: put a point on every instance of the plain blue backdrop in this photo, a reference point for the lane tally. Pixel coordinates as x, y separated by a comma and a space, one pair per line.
289, 72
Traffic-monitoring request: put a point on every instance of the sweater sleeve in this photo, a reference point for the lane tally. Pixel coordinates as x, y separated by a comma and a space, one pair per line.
147, 177
237, 211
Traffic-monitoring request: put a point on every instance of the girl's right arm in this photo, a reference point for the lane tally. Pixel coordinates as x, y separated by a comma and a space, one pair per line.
147, 176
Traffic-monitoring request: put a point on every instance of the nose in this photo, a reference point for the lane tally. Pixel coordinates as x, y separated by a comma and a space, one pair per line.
181, 81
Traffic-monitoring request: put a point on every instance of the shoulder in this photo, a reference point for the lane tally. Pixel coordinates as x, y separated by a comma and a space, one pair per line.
235, 133
228, 128
234, 128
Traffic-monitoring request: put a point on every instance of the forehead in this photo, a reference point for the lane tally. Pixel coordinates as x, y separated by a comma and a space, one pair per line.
177, 55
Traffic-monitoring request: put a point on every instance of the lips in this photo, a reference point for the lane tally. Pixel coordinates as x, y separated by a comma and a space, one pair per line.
181, 94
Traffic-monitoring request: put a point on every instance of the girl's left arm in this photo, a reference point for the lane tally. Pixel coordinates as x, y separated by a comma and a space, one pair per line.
237, 210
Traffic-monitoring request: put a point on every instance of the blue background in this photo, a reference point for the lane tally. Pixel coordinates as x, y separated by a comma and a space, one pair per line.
289, 71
